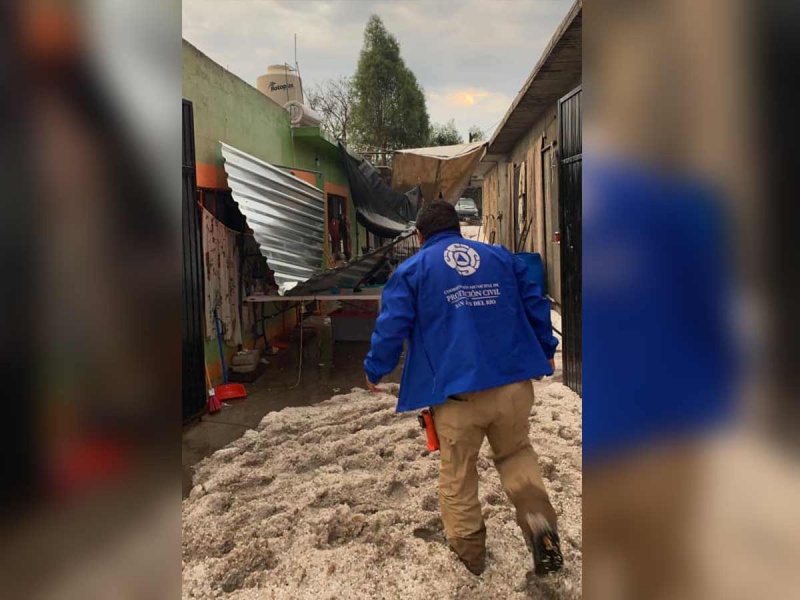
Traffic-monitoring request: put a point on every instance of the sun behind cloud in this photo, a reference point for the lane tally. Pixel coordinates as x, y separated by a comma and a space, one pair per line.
467, 106
467, 97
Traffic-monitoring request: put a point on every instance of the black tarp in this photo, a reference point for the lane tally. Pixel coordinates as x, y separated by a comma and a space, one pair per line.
383, 212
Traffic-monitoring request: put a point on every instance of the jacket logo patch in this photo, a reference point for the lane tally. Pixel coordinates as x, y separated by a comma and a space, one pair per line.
462, 258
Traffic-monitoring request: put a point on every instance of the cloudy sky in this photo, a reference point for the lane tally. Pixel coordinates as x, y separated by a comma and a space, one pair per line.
470, 56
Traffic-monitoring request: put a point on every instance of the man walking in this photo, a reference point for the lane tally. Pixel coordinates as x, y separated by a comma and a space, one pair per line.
479, 330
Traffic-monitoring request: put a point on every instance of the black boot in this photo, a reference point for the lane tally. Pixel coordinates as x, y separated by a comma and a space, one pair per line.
474, 562
471, 550
547, 556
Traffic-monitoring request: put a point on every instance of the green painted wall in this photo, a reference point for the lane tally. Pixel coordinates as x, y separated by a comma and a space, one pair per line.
228, 109
308, 148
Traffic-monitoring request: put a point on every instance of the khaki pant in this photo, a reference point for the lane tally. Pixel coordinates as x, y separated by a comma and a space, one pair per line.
501, 414
638, 524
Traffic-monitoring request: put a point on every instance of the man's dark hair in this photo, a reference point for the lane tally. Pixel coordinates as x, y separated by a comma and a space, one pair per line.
435, 217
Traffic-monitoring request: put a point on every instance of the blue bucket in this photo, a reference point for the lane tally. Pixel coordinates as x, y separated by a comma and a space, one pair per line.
535, 268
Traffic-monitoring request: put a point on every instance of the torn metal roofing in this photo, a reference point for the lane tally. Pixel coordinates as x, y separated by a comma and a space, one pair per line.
286, 214
355, 273
384, 212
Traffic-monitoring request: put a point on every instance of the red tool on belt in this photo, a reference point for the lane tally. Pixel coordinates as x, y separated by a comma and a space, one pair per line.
426, 422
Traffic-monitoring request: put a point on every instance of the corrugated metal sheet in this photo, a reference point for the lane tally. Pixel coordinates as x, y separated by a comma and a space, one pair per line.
286, 214
348, 276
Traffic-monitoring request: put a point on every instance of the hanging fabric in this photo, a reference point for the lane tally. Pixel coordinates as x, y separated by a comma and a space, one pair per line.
221, 265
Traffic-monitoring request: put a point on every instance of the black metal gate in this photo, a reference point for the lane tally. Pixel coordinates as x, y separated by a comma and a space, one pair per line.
193, 359
570, 198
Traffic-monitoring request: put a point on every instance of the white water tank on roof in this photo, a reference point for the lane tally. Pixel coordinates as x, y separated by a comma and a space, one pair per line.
282, 84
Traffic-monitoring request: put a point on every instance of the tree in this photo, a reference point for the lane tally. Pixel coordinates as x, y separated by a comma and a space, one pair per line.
333, 100
476, 134
389, 112
445, 135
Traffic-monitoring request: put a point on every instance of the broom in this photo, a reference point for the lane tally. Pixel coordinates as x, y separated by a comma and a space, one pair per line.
226, 391
214, 405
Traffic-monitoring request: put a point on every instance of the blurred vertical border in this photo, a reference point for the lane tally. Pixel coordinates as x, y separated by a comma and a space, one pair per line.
690, 379
91, 298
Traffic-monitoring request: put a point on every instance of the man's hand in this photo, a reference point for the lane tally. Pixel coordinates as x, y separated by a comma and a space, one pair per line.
372, 387
552, 362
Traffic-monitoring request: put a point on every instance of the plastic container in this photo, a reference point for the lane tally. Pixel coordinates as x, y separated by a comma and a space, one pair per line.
246, 358
535, 268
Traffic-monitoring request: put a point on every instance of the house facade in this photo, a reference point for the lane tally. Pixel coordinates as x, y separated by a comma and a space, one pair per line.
531, 178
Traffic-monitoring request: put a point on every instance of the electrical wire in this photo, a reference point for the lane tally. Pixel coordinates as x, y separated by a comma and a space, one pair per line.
486, 130
217, 421
300, 367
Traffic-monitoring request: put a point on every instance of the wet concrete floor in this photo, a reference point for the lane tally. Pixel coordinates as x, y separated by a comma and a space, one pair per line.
328, 368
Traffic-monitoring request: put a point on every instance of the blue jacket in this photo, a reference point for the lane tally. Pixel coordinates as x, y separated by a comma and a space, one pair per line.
473, 317
658, 348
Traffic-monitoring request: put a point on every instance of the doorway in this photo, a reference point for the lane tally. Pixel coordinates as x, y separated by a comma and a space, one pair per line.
339, 244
